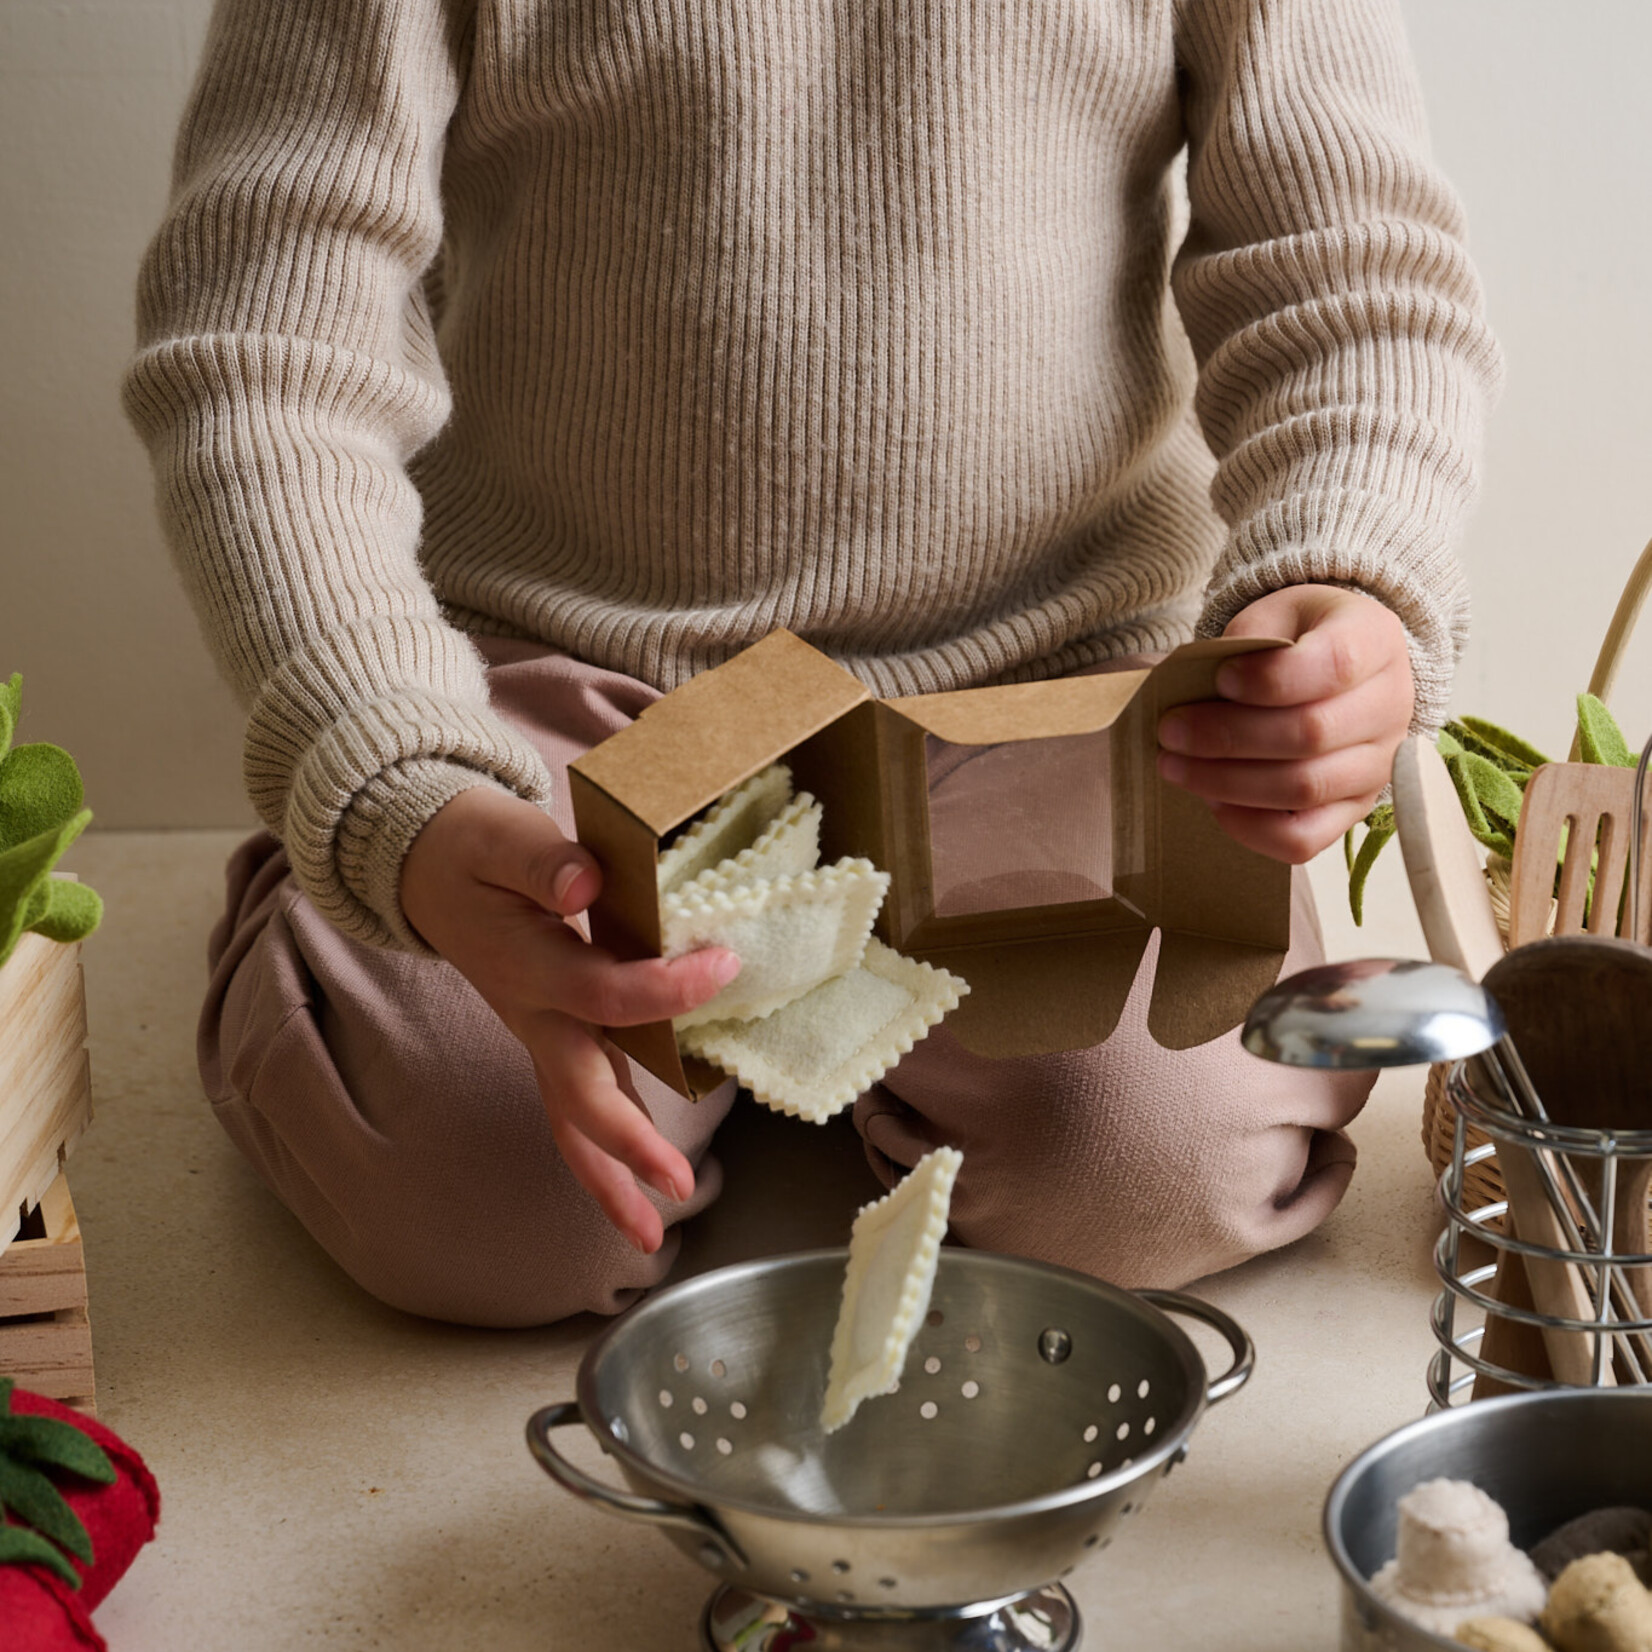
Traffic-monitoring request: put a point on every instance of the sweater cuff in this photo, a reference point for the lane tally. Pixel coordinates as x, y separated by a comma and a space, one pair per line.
1366, 543
378, 829
367, 787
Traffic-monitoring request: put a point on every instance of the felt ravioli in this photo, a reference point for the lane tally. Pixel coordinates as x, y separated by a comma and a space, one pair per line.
791, 933
734, 823
788, 845
812, 1057
894, 1250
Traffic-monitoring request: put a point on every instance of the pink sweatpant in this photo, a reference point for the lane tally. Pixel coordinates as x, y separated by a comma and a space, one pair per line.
383, 1102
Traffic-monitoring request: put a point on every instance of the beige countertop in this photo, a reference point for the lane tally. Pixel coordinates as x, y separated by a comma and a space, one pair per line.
336, 1474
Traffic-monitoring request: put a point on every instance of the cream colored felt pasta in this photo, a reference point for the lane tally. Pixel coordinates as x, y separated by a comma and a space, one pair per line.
790, 933
894, 1250
789, 844
733, 823
811, 1058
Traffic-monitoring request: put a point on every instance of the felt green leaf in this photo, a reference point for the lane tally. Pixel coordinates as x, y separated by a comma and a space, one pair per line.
1469, 741
27, 1493
39, 788
1600, 740
23, 868
54, 1444
1505, 749
1363, 862
21, 1547
1490, 800
1446, 743
11, 708
72, 911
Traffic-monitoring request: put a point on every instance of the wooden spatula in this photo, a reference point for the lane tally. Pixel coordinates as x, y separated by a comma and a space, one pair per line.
1571, 811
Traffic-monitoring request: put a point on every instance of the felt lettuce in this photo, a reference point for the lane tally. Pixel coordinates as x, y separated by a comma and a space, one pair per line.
41, 814
1490, 768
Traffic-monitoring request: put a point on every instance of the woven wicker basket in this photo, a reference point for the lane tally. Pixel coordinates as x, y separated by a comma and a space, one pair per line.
1484, 1182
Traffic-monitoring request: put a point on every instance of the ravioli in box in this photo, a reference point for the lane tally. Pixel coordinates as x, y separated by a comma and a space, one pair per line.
1029, 846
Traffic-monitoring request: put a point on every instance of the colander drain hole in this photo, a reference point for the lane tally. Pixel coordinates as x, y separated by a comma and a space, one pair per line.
738, 1411
841, 1567
888, 1583
1114, 1394
665, 1399
679, 1362
972, 1344
1093, 1472
970, 1389
1143, 1389
1090, 1433
686, 1440
724, 1446
929, 1410
718, 1369
932, 1365
698, 1406
1122, 1432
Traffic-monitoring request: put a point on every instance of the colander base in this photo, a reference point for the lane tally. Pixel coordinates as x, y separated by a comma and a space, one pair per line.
736, 1620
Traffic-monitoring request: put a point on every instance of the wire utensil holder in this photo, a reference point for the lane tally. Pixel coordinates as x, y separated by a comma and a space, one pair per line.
1581, 1170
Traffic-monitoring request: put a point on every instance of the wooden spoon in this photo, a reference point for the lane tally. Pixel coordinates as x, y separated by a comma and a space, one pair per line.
1578, 1008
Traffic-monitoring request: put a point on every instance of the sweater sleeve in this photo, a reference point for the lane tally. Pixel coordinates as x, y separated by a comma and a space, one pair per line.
1345, 366
286, 372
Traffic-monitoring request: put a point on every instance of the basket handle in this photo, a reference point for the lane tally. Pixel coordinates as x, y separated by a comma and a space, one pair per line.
650, 1510
1244, 1350
1617, 636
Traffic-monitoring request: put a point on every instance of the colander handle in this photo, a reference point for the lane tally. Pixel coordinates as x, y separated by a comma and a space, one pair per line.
652, 1511
1244, 1350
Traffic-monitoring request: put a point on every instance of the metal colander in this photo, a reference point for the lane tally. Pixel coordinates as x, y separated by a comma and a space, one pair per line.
1037, 1410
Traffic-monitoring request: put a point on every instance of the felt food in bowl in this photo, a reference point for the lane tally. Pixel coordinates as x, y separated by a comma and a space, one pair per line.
1037, 1410
1494, 1525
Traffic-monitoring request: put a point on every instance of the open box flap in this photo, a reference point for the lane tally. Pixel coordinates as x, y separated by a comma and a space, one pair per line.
718, 729
1057, 977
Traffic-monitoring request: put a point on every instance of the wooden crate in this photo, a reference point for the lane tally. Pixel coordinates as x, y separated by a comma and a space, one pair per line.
45, 1078
45, 1334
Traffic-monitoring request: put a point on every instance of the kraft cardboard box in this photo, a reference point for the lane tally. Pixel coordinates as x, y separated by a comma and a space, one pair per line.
1039, 876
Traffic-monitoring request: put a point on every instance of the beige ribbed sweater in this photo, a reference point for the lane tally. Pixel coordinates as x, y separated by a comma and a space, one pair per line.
644, 326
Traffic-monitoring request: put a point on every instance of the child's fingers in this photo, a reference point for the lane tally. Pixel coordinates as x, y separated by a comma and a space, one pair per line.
612, 1186
1372, 711
1294, 837
1346, 776
607, 1139
590, 985
1348, 646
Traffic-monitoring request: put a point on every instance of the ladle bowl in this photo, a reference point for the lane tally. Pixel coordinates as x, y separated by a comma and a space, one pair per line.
1373, 1012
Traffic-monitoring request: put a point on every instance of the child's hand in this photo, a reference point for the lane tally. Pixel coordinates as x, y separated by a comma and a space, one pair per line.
488, 883
1303, 738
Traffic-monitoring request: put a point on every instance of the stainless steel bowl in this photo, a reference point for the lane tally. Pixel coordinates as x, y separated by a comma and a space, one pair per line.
1037, 1410
1546, 1457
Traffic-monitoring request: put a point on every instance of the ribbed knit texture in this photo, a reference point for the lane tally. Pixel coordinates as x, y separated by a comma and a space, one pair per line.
642, 327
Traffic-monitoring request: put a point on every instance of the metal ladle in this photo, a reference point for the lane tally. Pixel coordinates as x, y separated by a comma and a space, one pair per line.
1372, 1013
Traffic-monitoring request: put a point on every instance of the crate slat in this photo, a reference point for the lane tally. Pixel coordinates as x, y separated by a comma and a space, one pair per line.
45, 1076
45, 1330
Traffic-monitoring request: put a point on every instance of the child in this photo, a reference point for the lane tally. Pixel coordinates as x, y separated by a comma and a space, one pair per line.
506, 363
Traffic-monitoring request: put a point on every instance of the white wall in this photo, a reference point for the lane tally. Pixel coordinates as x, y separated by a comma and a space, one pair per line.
1540, 118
